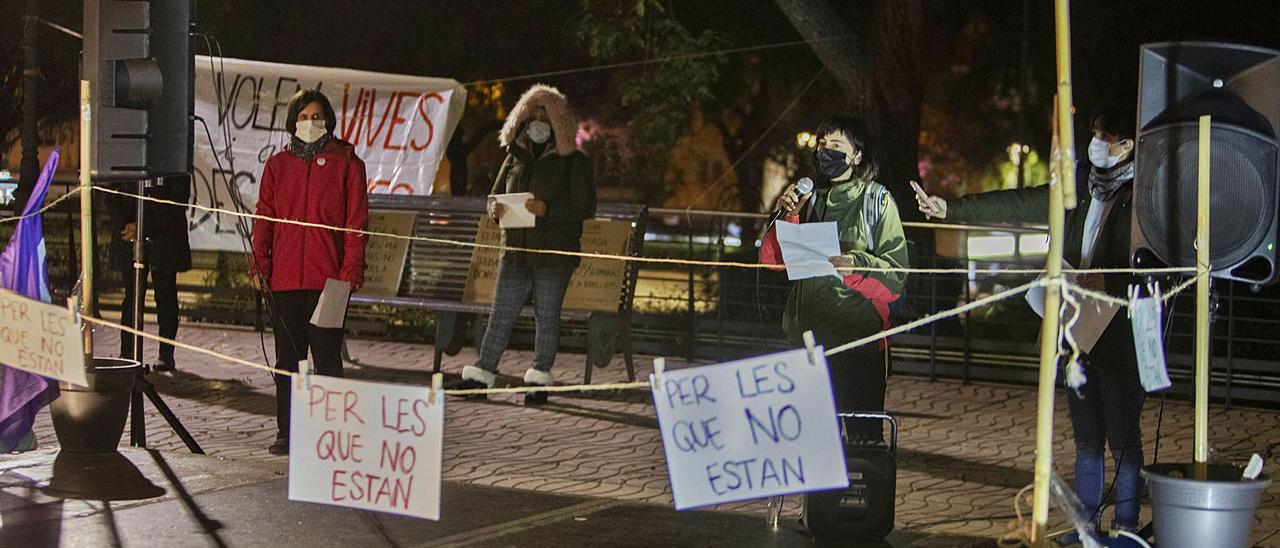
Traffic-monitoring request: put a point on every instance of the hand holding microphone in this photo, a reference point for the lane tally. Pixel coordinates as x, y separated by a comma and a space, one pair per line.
793, 198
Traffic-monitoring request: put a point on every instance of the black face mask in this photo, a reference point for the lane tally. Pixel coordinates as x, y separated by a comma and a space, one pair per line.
831, 163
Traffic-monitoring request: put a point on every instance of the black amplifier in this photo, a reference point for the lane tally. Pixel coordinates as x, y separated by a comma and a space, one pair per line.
864, 510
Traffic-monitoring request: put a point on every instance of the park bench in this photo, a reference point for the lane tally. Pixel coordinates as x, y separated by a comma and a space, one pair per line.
434, 275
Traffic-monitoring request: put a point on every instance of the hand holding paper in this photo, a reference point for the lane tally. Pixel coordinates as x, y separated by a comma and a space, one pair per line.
513, 210
807, 249
331, 309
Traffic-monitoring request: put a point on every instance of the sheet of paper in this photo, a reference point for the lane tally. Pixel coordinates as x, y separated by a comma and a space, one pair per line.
331, 309
807, 249
1094, 318
517, 215
366, 445
1148, 342
749, 429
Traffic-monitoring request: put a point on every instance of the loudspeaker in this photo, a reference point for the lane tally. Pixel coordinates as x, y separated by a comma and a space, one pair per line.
137, 56
864, 510
1239, 86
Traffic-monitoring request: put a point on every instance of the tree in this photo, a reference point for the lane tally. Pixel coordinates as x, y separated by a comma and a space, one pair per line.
876, 63
484, 115
656, 101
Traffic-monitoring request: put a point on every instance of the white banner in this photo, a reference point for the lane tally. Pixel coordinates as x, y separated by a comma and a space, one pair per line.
366, 445
400, 126
41, 338
749, 429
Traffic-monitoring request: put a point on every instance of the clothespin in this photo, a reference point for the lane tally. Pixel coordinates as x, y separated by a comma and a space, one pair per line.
303, 377
1133, 299
437, 382
659, 365
811, 345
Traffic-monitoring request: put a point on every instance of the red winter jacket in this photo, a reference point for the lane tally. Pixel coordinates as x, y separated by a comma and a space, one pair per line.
328, 190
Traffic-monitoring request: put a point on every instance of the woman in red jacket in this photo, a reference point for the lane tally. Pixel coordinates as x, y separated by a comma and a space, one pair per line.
317, 179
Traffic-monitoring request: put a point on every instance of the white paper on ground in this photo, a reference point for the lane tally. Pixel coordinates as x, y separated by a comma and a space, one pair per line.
331, 309
807, 249
517, 214
1095, 316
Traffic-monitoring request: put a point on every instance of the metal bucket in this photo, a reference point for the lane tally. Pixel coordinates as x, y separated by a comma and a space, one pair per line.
90, 419
1193, 513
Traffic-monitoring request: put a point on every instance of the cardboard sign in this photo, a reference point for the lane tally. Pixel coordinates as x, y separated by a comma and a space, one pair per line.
1148, 342
749, 429
41, 338
366, 445
596, 284
385, 256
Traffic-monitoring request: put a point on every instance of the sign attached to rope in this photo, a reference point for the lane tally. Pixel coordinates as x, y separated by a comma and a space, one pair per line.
749, 429
366, 445
41, 338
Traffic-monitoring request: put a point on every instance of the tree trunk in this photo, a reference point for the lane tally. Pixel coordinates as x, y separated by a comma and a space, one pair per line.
30, 167
845, 59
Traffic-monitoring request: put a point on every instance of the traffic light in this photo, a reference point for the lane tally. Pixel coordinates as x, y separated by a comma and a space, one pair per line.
137, 56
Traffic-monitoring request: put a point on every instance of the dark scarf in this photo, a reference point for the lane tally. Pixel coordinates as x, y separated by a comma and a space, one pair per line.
307, 151
1103, 183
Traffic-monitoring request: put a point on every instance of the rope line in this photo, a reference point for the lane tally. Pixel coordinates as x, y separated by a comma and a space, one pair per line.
47, 207
651, 260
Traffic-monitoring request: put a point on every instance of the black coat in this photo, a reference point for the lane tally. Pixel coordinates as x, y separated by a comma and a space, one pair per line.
164, 226
565, 183
1111, 250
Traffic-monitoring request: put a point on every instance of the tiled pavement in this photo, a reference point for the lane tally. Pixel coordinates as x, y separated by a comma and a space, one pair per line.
965, 450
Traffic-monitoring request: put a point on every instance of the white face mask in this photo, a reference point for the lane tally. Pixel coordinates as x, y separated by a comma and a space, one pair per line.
311, 130
538, 131
1100, 154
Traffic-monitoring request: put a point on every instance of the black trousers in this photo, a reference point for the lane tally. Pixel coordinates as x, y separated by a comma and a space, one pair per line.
165, 284
858, 380
291, 317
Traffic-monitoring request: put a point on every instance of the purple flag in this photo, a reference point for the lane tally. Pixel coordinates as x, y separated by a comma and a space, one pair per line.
22, 270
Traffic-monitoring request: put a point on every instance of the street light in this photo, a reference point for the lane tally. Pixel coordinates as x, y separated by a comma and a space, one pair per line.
805, 139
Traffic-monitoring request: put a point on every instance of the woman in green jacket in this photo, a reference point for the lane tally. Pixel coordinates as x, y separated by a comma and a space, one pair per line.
856, 304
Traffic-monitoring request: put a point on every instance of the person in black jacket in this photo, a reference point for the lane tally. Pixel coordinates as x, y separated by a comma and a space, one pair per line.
167, 251
1108, 409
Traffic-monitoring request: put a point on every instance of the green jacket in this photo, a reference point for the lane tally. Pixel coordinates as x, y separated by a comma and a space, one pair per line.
1031, 205
566, 185
842, 310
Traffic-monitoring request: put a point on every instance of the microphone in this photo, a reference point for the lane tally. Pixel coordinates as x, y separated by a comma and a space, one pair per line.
803, 186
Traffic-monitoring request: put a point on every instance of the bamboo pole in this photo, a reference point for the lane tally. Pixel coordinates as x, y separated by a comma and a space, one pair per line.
1049, 326
86, 218
1066, 130
1202, 299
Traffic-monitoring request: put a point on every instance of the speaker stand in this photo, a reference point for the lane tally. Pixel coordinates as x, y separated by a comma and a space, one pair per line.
142, 385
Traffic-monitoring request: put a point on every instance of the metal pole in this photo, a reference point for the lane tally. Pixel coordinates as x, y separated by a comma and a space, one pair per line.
1202, 300
138, 424
86, 218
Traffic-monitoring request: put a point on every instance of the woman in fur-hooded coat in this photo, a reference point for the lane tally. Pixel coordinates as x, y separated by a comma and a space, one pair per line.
542, 159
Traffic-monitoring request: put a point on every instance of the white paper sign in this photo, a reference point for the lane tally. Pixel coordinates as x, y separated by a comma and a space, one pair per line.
749, 429
399, 124
366, 445
1094, 318
516, 214
1148, 342
331, 307
807, 249
41, 338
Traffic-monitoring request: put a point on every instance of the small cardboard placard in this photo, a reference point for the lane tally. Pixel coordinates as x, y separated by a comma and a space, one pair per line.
41, 338
596, 284
385, 256
749, 429
366, 445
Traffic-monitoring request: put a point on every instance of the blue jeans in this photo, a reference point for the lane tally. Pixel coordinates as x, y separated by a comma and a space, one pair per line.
1110, 414
516, 280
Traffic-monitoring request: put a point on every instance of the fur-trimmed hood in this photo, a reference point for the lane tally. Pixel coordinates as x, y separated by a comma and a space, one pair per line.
563, 123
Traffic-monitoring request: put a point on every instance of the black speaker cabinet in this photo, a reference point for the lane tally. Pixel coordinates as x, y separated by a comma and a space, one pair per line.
1239, 86
863, 511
